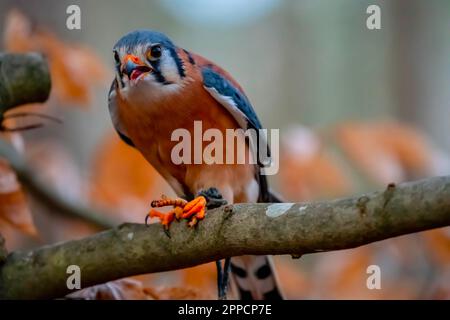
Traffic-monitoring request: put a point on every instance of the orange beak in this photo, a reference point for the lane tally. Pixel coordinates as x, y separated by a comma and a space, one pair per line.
133, 67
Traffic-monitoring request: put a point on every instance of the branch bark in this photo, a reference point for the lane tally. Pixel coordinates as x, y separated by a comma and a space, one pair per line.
240, 229
24, 78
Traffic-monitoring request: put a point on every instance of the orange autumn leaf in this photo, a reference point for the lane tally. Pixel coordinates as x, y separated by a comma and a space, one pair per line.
18, 34
306, 171
438, 244
123, 180
74, 69
14, 209
177, 293
203, 277
123, 289
132, 289
13, 204
292, 280
385, 152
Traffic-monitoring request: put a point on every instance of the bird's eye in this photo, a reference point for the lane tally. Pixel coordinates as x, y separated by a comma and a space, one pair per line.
154, 52
116, 58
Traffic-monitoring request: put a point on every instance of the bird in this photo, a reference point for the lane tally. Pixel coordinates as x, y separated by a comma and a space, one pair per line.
158, 88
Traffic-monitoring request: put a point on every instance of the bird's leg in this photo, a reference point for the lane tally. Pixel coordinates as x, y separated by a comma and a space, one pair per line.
166, 218
223, 278
219, 278
193, 210
214, 200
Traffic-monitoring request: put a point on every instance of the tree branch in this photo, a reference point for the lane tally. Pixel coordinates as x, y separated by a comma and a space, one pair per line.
24, 78
232, 230
49, 197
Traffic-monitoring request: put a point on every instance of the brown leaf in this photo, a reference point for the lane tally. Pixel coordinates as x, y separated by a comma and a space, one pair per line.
123, 180
307, 172
292, 280
75, 69
18, 34
438, 244
124, 289
177, 293
13, 205
385, 152
132, 289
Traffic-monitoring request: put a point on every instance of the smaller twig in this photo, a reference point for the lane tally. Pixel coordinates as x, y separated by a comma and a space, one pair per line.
30, 126
34, 114
22, 128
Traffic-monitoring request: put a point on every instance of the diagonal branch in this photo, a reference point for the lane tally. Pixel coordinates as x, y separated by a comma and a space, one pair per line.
233, 230
49, 197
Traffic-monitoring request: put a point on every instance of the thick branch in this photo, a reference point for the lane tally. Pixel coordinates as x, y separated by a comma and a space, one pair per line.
24, 78
233, 230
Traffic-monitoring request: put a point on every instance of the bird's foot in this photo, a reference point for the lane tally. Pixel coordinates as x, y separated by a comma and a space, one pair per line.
165, 218
223, 278
213, 198
193, 210
206, 199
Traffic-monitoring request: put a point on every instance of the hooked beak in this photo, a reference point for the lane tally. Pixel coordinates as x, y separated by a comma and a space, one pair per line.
133, 67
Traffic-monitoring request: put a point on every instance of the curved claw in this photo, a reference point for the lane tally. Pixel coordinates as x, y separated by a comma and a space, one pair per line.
196, 206
193, 210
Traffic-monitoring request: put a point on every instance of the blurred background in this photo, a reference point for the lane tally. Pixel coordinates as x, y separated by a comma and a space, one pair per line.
356, 108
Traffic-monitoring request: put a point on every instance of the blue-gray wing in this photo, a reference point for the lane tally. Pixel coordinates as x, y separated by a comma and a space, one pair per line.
235, 101
231, 98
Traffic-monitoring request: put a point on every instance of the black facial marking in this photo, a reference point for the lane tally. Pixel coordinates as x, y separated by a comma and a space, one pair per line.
145, 37
191, 59
263, 272
238, 271
178, 62
157, 72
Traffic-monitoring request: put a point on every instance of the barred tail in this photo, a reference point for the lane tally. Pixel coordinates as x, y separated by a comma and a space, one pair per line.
255, 278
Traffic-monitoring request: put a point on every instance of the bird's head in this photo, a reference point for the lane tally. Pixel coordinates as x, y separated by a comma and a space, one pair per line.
147, 58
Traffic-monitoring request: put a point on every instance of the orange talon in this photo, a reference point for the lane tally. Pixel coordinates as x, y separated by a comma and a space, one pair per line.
164, 202
165, 218
193, 210
193, 222
201, 214
178, 212
194, 207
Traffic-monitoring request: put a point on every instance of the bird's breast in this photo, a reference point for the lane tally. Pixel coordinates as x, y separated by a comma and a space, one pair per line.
150, 122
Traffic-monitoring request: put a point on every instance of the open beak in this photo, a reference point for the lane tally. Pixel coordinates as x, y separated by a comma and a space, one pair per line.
133, 67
